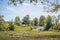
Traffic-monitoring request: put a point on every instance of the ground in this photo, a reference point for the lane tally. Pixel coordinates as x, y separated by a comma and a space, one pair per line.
29, 35
25, 33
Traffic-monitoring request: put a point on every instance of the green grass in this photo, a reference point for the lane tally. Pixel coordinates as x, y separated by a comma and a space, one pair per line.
25, 33
22, 28
26, 28
29, 35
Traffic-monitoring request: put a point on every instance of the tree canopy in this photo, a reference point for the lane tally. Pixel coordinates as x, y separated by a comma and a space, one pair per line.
41, 20
49, 6
35, 21
17, 21
26, 20
48, 22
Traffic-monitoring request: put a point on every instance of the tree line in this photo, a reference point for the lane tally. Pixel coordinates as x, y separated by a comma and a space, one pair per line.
49, 22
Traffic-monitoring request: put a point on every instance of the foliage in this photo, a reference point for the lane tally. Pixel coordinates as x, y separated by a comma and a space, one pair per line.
59, 17
26, 20
11, 26
41, 20
35, 21
31, 23
49, 6
2, 22
56, 27
17, 21
48, 22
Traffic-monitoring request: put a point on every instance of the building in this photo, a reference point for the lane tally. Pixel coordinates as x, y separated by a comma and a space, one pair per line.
41, 28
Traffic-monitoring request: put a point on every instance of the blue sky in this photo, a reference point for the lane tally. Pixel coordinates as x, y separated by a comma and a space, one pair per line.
11, 11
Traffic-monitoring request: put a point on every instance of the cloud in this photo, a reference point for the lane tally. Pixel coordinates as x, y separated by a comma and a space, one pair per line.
26, 4
12, 10
34, 11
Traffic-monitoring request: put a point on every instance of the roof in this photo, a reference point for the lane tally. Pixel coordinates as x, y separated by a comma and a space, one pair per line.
41, 27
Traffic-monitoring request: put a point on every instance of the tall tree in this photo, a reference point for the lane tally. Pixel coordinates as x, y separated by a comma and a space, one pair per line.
57, 23
11, 26
48, 22
17, 21
53, 20
2, 21
41, 20
35, 21
31, 22
59, 17
26, 20
56, 27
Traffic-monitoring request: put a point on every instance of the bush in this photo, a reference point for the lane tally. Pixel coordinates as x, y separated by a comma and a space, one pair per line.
11, 26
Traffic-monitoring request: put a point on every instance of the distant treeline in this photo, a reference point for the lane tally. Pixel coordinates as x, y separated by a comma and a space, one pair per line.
49, 22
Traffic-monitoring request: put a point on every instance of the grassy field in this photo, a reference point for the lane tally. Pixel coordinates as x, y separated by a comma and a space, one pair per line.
29, 35
25, 28
25, 33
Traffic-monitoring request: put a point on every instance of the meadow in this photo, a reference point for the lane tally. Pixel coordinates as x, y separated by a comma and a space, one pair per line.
29, 20
29, 35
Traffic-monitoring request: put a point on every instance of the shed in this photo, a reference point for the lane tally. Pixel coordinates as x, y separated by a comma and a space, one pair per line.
41, 28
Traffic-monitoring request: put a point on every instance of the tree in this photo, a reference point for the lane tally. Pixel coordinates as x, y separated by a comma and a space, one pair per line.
31, 22
49, 6
26, 20
59, 17
53, 20
56, 27
11, 26
48, 22
41, 20
2, 22
17, 21
35, 21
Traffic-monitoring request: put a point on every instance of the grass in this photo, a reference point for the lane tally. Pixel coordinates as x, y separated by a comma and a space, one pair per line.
29, 35
25, 28
22, 28
25, 33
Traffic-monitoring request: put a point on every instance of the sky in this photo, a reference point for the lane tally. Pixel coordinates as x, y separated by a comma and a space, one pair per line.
10, 11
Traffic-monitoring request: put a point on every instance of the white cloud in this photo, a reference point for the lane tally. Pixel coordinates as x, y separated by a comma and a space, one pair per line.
26, 4
34, 11
13, 10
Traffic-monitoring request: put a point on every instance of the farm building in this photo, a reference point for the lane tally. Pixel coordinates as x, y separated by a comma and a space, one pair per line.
41, 28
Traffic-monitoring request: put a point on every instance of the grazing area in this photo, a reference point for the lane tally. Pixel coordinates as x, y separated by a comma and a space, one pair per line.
29, 19
29, 35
